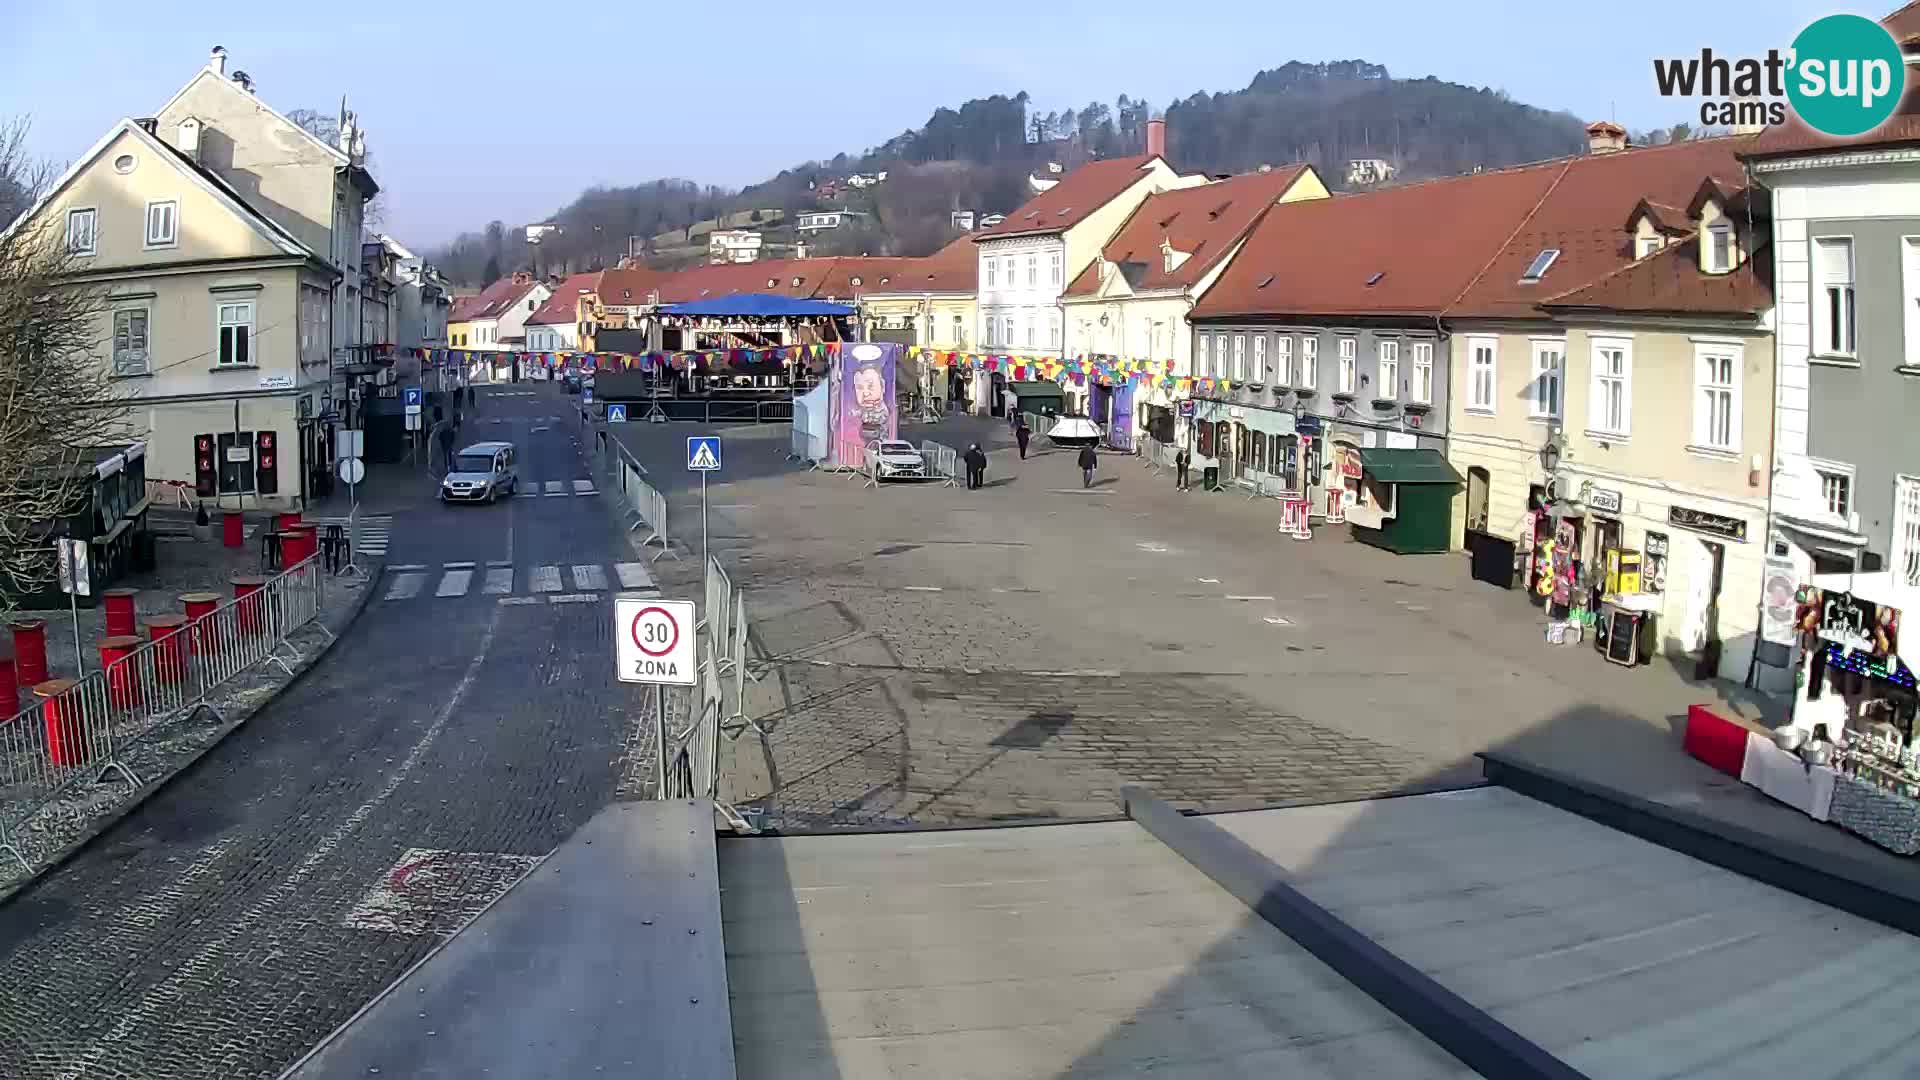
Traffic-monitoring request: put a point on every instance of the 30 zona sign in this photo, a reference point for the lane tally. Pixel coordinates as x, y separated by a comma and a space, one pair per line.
653, 641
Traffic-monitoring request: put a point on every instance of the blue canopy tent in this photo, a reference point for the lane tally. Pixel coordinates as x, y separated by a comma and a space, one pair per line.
759, 305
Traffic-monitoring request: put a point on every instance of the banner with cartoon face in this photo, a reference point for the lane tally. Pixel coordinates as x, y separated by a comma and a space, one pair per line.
866, 409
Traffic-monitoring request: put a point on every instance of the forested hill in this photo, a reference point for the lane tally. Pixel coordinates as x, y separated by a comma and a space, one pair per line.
978, 157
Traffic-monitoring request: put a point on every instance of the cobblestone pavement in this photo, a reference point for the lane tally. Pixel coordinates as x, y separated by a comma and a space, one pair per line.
945, 656
252, 906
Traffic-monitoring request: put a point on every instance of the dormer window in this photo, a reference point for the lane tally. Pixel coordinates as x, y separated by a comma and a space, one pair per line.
1537, 269
855, 281
1646, 245
1719, 249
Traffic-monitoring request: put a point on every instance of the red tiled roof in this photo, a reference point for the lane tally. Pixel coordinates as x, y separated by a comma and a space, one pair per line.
1904, 23
1426, 242
1204, 222
463, 308
1670, 281
1069, 202
953, 269
620, 288
1665, 218
493, 301
563, 306
1580, 217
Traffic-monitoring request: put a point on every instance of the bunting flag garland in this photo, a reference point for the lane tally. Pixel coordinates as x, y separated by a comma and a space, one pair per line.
618, 361
1102, 370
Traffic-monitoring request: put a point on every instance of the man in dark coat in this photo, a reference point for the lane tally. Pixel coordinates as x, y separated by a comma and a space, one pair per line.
1020, 435
1182, 461
976, 467
1089, 461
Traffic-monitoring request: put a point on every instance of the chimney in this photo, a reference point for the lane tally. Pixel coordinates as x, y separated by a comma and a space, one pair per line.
190, 138
799, 251
217, 60
522, 277
1605, 137
1156, 138
245, 80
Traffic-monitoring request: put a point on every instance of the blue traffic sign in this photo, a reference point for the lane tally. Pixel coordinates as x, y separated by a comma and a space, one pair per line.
703, 453
586, 395
616, 414
412, 395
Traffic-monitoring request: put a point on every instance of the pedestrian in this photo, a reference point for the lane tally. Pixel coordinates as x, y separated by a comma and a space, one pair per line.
976, 467
444, 430
1089, 461
1020, 435
1182, 461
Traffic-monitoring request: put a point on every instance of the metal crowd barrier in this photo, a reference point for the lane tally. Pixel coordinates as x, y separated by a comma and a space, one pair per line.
84, 732
943, 462
647, 503
849, 456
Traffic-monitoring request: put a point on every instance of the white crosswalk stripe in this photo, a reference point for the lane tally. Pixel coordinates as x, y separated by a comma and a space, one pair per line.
633, 575
406, 586
499, 582
566, 583
584, 487
454, 583
544, 579
589, 578
553, 489
376, 531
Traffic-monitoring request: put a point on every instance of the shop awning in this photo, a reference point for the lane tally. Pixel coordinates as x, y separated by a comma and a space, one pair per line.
1396, 466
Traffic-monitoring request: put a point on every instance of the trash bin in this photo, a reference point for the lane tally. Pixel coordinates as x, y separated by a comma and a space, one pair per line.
1210, 479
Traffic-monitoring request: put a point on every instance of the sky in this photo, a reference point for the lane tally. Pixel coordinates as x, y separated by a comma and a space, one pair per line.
488, 109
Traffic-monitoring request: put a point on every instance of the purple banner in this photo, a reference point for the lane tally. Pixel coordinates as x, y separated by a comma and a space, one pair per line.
866, 409
1120, 427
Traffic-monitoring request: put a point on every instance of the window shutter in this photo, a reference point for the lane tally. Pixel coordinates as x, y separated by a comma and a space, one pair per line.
1834, 261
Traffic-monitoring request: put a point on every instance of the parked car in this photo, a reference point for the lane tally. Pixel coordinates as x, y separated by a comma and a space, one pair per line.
482, 472
896, 460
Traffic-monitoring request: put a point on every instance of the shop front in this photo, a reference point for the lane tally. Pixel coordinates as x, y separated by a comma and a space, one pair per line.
1403, 498
1038, 397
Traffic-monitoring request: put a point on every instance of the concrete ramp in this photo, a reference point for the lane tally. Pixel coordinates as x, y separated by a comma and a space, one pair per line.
606, 961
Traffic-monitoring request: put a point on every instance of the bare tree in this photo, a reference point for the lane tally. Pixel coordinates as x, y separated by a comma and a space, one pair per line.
327, 130
56, 401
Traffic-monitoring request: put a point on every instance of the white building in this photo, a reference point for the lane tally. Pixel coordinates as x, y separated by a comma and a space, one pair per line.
823, 220
733, 246
1366, 172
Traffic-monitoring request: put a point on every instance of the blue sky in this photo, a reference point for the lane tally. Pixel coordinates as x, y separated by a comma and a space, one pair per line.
490, 109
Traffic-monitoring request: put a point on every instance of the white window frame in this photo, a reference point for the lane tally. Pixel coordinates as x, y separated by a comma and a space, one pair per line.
1006, 331
1600, 378
1715, 234
1053, 330
1053, 262
1310, 362
1546, 391
1843, 474
1239, 357
172, 219
1829, 340
1031, 326
244, 317
993, 273
120, 366
1260, 358
1348, 349
1421, 390
1487, 348
1910, 299
1906, 528
90, 215
1705, 394
1033, 271
1283, 360
1388, 354
1646, 245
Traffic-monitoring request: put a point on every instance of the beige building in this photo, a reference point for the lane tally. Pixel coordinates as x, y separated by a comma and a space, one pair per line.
216, 317
931, 302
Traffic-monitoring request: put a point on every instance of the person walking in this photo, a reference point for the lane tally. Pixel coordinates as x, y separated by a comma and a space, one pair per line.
1182, 461
1020, 435
1089, 461
976, 467
443, 432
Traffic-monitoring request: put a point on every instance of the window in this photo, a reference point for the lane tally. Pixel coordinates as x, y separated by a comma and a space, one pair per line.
1719, 249
1033, 270
236, 462
993, 273
1029, 320
124, 164
1423, 372
1283, 360
1219, 356
1647, 245
1537, 269
1239, 357
1836, 491
959, 332
1309, 362
1716, 409
1480, 373
1833, 301
80, 232
1006, 330
1054, 262
1260, 358
1906, 528
1610, 406
163, 220
1389, 370
236, 334
1053, 330
130, 341
1544, 402
1349, 352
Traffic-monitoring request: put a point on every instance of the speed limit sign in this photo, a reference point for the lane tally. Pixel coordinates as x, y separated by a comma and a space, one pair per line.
653, 641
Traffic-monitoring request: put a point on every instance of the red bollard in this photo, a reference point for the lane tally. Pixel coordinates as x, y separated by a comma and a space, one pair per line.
120, 621
170, 652
66, 724
30, 651
283, 522
300, 544
233, 531
9, 688
123, 680
246, 590
199, 605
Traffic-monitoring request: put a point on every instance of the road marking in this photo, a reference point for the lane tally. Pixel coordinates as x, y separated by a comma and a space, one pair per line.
1278, 621
456, 566
574, 598
437, 892
519, 601
589, 578
1079, 491
1208, 580
923, 588
541, 428
495, 564
454, 583
1249, 597
633, 575
584, 487
1151, 545
408, 566
499, 581
552, 489
544, 579
406, 586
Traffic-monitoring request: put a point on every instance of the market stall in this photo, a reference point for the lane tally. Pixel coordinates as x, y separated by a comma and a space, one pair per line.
1405, 500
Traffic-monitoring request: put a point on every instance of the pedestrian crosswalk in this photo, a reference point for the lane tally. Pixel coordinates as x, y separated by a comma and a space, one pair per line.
376, 532
558, 584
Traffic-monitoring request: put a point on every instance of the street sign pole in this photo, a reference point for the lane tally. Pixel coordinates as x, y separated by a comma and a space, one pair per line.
703, 518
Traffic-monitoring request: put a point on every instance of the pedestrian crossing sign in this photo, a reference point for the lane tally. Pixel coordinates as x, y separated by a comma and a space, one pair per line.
703, 453
616, 414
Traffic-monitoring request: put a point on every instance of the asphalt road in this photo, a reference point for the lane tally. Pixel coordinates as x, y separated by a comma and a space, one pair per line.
465, 726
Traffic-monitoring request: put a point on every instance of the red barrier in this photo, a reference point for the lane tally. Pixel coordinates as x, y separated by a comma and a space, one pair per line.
119, 603
299, 544
283, 522
233, 532
170, 656
9, 687
1715, 740
30, 652
199, 605
66, 727
246, 590
123, 682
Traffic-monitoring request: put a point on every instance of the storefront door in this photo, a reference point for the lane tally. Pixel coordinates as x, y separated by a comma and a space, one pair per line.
1704, 573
